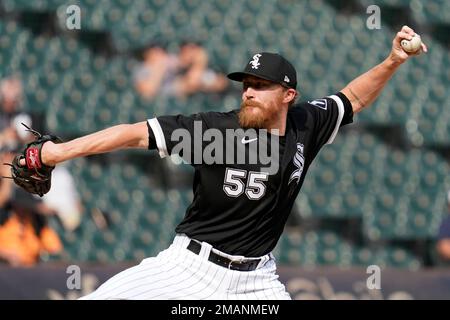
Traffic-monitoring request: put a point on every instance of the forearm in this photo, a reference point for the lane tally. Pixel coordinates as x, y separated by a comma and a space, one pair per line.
366, 88
111, 139
363, 90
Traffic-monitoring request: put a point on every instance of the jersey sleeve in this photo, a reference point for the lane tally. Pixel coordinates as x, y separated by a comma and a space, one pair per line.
329, 114
161, 131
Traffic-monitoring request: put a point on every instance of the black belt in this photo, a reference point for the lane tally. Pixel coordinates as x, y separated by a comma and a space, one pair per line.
240, 265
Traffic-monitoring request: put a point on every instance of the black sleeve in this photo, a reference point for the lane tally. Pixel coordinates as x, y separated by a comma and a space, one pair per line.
167, 132
151, 138
328, 115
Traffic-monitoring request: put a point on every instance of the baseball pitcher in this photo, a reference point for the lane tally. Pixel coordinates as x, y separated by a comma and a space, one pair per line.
222, 247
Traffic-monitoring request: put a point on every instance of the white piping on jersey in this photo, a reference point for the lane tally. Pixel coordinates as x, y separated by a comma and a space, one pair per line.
341, 110
159, 136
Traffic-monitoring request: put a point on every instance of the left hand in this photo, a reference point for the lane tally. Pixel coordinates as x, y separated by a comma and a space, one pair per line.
33, 174
397, 53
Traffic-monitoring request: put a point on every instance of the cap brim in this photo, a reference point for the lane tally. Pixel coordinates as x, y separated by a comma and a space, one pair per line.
239, 76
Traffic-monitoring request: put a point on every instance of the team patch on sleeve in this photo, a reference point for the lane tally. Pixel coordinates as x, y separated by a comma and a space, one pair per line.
320, 103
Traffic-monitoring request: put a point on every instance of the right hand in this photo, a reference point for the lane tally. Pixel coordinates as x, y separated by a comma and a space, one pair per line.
398, 54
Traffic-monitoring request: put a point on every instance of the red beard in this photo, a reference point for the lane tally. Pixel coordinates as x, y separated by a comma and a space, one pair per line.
259, 120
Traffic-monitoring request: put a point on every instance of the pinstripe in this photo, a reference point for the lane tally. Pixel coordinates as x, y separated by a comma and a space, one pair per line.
129, 282
210, 280
228, 288
200, 281
263, 282
143, 267
166, 272
204, 283
165, 285
145, 284
108, 288
246, 283
272, 279
190, 276
164, 261
237, 285
260, 289
254, 283
218, 286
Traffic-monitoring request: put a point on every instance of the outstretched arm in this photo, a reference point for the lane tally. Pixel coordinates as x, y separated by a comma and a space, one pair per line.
363, 90
114, 138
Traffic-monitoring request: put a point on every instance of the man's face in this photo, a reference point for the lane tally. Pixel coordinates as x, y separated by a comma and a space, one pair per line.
261, 101
155, 54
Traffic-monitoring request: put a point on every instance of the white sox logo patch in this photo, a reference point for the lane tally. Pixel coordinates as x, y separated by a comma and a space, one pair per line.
299, 162
255, 62
321, 103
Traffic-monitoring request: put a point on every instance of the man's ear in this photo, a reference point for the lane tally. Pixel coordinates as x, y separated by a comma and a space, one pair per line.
290, 95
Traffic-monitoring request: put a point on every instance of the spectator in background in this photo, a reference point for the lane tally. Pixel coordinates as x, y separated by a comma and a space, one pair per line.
10, 97
24, 232
12, 132
443, 239
64, 198
196, 75
156, 74
182, 75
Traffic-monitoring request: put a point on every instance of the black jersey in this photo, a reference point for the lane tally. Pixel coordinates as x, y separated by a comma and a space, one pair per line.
240, 208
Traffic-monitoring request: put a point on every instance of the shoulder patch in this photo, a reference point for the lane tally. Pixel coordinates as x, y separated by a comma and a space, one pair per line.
320, 103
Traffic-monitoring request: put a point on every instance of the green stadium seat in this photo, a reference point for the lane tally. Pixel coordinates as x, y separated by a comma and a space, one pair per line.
431, 11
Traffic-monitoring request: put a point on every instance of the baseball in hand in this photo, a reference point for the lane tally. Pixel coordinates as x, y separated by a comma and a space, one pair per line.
411, 45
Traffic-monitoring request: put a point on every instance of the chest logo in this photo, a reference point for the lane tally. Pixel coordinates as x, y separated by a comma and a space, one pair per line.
299, 162
244, 141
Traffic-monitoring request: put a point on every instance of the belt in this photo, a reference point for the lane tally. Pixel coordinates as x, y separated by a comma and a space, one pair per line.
239, 265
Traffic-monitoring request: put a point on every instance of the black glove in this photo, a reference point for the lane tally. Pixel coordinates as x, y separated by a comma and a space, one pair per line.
34, 177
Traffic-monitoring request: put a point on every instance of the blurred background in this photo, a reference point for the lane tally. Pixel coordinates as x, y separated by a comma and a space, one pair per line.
377, 196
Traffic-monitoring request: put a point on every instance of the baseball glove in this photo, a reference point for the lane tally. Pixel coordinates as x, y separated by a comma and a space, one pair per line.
34, 177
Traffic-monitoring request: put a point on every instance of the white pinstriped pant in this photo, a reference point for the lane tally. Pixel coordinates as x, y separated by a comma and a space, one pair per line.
177, 273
